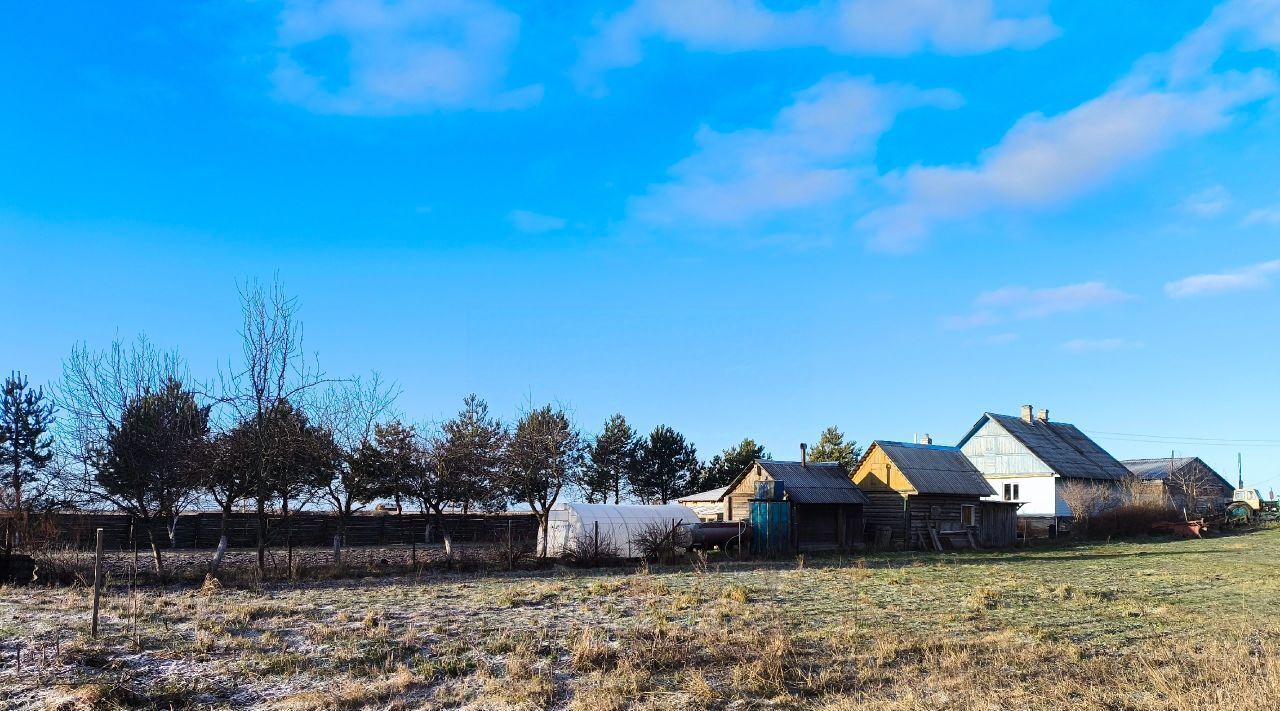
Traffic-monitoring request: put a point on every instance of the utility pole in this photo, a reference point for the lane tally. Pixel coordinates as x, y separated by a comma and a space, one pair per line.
1240, 470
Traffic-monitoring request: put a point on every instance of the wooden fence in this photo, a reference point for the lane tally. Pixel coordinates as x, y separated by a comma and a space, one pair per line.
198, 530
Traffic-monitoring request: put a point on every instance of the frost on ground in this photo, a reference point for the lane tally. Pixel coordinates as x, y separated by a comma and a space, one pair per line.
1150, 625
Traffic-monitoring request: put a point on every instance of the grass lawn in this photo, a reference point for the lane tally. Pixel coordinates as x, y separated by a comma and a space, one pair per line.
1153, 624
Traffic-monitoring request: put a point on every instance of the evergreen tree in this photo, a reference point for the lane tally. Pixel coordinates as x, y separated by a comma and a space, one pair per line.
832, 447
26, 448
543, 457
468, 457
612, 460
724, 468
154, 461
389, 464
667, 469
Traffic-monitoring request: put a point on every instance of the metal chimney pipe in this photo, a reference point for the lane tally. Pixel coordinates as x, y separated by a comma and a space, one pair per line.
804, 454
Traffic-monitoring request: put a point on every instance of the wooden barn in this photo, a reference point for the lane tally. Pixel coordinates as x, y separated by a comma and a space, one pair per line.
1185, 482
928, 496
825, 506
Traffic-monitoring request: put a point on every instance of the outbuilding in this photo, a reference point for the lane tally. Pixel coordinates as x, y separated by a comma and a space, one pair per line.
1185, 482
928, 496
706, 504
824, 508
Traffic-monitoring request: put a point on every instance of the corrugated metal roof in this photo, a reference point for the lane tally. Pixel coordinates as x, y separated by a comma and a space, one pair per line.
814, 483
1158, 469
711, 495
1064, 448
1155, 468
934, 469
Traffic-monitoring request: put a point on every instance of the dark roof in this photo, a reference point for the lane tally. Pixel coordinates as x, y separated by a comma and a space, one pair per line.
1158, 469
1064, 448
813, 483
934, 469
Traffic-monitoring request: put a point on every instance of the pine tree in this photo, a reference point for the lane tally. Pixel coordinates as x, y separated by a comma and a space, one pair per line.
832, 447
155, 460
668, 467
26, 448
468, 457
724, 468
612, 460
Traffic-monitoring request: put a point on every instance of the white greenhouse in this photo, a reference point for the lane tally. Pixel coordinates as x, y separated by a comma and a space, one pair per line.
617, 526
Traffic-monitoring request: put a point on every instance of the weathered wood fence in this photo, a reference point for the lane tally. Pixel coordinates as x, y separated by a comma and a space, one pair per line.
201, 530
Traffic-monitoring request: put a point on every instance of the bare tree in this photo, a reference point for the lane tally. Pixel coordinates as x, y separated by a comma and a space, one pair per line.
95, 390
1085, 498
352, 411
1192, 484
273, 374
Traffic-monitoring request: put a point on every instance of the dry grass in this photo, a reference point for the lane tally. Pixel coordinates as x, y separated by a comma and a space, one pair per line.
1140, 626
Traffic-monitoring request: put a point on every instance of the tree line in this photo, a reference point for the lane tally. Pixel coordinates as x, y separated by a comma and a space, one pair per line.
274, 433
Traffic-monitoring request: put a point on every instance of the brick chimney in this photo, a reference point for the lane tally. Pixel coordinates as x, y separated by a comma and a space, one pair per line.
1042, 415
926, 439
1026, 413
804, 454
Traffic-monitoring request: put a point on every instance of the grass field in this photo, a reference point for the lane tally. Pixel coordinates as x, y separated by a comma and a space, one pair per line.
1146, 625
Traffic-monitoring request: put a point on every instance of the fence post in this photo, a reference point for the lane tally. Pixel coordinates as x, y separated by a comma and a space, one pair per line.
511, 558
97, 585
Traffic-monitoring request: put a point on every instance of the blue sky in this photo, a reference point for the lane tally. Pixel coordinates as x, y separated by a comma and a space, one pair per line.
737, 218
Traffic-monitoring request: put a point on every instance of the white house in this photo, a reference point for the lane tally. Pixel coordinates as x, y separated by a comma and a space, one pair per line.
1030, 458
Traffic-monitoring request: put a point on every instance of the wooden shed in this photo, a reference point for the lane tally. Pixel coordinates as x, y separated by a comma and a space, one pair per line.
825, 506
926, 496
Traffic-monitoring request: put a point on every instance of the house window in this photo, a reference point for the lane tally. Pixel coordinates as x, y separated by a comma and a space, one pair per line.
967, 514
1011, 492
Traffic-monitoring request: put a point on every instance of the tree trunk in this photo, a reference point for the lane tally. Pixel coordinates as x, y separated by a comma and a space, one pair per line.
337, 550
542, 526
222, 540
155, 551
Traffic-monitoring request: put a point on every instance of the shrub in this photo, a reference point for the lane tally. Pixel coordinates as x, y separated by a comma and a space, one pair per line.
1130, 519
588, 550
660, 541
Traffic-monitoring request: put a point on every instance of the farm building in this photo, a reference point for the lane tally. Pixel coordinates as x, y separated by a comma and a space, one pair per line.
928, 496
1186, 482
706, 504
1036, 461
614, 527
824, 507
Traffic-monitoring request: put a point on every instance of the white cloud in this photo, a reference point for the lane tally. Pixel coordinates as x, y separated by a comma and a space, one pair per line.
1099, 345
1048, 160
384, 57
875, 27
1257, 276
1263, 216
1020, 302
814, 155
533, 222
1208, 202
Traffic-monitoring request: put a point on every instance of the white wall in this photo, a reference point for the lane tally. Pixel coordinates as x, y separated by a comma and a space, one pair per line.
1039, 491
1002, 459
